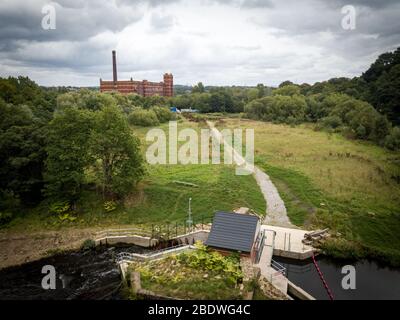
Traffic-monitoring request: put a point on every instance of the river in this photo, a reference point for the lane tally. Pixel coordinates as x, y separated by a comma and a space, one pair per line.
93, 274
90, 274
372, 280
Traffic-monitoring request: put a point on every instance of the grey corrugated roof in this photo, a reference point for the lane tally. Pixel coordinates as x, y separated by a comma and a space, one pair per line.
233, 231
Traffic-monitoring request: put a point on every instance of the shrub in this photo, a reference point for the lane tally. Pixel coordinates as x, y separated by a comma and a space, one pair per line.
110, 206
392, 141
279, 109
88, 244
5, 217
63, 211
331, 122
144, 118
163, 113
204, 259
60, 208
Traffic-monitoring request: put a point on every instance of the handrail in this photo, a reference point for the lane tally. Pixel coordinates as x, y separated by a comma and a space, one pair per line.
129, 256
278, 267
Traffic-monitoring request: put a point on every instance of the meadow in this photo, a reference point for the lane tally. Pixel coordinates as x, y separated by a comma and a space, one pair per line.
326, 180
159, 198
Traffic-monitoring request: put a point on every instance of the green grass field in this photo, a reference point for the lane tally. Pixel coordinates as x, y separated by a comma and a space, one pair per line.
326, 180
158, 199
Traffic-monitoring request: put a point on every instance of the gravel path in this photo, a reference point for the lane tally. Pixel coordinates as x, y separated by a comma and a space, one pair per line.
276, 213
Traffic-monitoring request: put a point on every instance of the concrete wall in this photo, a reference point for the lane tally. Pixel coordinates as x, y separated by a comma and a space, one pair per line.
298, 292
136, 240
293, 255
192, 237
189, 238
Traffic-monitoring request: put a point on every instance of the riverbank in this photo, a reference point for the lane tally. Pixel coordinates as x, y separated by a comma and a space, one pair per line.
22, 247
327, 181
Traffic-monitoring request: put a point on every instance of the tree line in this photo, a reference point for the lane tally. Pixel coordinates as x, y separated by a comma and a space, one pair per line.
55, 144
365, 107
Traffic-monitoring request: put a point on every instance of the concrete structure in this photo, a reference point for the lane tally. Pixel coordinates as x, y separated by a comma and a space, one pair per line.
283, 242
298, 292
287, 242
142, 241
144, 88
143, 238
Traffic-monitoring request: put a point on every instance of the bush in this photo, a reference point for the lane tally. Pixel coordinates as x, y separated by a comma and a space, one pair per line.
204, 259
144, 118
279, 109
110, 206
60, 208
392, 141
88, 244
331, 122
5, 217
163, 114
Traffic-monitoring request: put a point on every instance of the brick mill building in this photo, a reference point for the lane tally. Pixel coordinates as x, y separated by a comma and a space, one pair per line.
144, 88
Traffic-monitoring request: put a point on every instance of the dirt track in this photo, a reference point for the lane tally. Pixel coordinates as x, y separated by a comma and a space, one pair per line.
276, 213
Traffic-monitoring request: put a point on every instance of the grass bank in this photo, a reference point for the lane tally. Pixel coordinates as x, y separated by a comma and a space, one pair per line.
352, 187
159, 198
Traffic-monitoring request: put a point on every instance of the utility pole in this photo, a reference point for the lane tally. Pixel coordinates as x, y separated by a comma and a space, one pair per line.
189, 221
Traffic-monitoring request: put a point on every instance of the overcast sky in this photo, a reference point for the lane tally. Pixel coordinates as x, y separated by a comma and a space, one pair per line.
218, 42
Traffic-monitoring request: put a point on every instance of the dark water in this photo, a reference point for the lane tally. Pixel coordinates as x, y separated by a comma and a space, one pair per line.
372, 281
93, 274
90, 274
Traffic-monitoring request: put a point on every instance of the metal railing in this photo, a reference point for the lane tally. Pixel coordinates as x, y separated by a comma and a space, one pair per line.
130, 256
278, 267
165, 231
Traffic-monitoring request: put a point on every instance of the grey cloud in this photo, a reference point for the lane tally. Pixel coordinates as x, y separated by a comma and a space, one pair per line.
161, 21
74, 20
314, 46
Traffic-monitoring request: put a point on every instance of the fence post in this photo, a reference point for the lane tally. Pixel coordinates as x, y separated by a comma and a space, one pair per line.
152, 230
168, 231
202, 222
176, 229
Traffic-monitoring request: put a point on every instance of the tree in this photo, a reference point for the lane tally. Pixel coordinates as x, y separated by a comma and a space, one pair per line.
21, 152
67, 149
286, 83
288, 90
252, 94
261, 90
199, 88
383, 84
386, 93
119, 164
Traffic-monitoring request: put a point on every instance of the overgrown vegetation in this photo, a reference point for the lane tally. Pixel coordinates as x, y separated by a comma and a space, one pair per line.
199, 274
326, 180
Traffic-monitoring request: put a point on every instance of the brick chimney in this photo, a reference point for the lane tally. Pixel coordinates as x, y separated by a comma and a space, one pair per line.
114, 62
